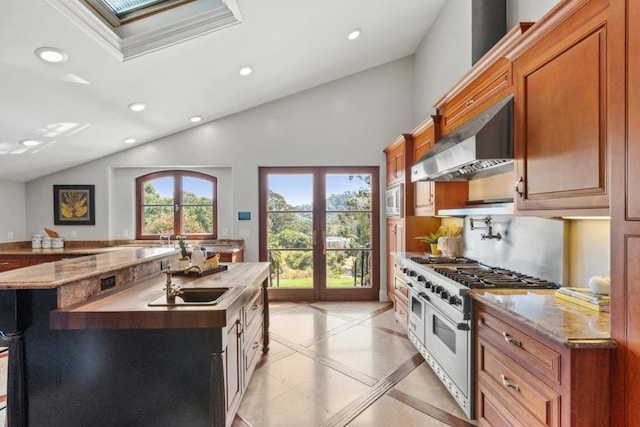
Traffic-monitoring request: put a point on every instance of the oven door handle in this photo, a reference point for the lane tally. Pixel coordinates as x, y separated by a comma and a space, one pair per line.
461, 326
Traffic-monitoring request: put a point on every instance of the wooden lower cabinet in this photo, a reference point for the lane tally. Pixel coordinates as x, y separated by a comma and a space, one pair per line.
11, 262
525, 379
244, 345
401, 294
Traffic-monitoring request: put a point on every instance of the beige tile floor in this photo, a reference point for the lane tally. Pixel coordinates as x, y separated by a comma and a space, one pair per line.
343, 363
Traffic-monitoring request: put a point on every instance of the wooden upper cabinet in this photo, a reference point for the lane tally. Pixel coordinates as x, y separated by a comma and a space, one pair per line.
397, 160
561, 113
632, 201
429, 197
489, 80
491, 86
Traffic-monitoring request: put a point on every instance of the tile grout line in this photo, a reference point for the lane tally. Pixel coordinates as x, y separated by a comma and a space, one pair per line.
359, 405
330, 363
428, 409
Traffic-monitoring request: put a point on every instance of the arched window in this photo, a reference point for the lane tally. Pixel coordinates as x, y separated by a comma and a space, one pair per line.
176, 203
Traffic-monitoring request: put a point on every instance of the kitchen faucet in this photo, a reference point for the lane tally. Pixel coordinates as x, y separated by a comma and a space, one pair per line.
165, 236
174, 290
487, 221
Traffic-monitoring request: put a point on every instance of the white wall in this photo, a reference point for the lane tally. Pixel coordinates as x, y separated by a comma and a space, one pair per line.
347, 122
443, 57
445, 53
527, 10
13, 212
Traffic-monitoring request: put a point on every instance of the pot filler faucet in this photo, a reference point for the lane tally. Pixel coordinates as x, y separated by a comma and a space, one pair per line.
487, 226
174, 290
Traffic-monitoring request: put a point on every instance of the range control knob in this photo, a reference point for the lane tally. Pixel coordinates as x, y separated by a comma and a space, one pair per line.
421, 278
444, 295
437, 289
454, 300
428, 284
412, 273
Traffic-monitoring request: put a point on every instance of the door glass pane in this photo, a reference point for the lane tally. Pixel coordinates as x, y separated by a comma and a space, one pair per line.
348, 230
290, 230
348, 192
290, 192
197, 206
158, 206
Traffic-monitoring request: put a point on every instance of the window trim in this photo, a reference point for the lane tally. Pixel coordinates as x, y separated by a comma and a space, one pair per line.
177, 175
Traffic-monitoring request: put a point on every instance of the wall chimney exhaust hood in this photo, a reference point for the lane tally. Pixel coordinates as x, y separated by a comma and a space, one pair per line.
481, 147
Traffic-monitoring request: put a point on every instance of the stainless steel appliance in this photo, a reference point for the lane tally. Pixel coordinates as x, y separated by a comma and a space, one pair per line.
481, 147
440, 324
395, 201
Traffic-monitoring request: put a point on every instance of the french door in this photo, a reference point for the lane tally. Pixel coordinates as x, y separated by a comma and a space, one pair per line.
319, 228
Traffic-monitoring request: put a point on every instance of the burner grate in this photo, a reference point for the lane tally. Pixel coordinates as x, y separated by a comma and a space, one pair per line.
479, 277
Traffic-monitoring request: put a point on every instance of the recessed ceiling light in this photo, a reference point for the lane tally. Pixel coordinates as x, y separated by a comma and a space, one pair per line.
129, 140
195, 119
51, 54
137, 106
354, 34
245, 71
30, 142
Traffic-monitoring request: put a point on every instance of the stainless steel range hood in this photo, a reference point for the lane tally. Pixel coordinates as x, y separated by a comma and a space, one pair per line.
481, 147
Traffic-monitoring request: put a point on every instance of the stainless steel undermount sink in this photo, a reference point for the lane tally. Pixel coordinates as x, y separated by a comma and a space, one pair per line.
193, 296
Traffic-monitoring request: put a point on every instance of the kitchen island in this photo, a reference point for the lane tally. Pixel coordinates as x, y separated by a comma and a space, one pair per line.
111, 359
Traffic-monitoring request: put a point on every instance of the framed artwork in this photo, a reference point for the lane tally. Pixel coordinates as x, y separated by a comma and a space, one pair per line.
74, 205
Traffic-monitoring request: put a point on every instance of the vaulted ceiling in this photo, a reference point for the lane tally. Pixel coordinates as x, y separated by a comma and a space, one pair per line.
78, 109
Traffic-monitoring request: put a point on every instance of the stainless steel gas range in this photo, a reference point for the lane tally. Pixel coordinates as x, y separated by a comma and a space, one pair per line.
440, 325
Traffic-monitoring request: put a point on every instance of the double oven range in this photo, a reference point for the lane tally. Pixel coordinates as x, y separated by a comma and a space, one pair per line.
440, 324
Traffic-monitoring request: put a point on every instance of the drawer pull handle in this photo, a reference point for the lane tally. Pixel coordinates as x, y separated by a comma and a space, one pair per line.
469, 103
511, 340
254, 307
509, 384
255, 345
4, 263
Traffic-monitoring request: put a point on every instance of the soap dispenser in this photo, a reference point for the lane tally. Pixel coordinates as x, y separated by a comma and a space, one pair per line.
197, 256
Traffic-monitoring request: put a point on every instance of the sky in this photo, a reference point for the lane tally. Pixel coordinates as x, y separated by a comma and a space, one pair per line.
201, 188
298, 189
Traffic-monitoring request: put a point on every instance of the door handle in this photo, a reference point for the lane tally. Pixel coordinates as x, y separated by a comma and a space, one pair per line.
517, 187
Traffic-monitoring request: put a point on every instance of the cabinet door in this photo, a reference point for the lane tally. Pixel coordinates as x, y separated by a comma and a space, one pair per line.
424, 197
395, 243
561, 131
492, 85
233, 365
396, 164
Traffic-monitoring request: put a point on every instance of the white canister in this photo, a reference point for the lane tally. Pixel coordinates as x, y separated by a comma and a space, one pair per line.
197, 257
46, 243
36, 242
57, 243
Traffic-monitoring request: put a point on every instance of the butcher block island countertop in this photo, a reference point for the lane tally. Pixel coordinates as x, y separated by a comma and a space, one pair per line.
128, 308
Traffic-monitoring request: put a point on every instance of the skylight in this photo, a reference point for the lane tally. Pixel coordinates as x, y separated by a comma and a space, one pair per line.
119, 12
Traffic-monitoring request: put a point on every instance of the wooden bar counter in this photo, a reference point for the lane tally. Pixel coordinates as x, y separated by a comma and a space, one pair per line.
109, 359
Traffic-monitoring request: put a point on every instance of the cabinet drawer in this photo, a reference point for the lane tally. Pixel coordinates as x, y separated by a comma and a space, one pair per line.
7, 264
253, 310
492, 85
529, 352
512, 381
253, 350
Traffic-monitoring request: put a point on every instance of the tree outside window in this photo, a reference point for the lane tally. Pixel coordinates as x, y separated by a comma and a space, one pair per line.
176, 203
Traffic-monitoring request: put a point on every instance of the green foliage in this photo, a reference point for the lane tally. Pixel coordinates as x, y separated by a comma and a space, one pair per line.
197, 213
348, 225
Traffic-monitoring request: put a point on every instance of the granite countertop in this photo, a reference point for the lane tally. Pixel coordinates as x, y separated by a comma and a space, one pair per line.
55, 274
128, 308
567, 324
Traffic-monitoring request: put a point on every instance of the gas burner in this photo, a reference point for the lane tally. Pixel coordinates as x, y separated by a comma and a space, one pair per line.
442, 260
487, 277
